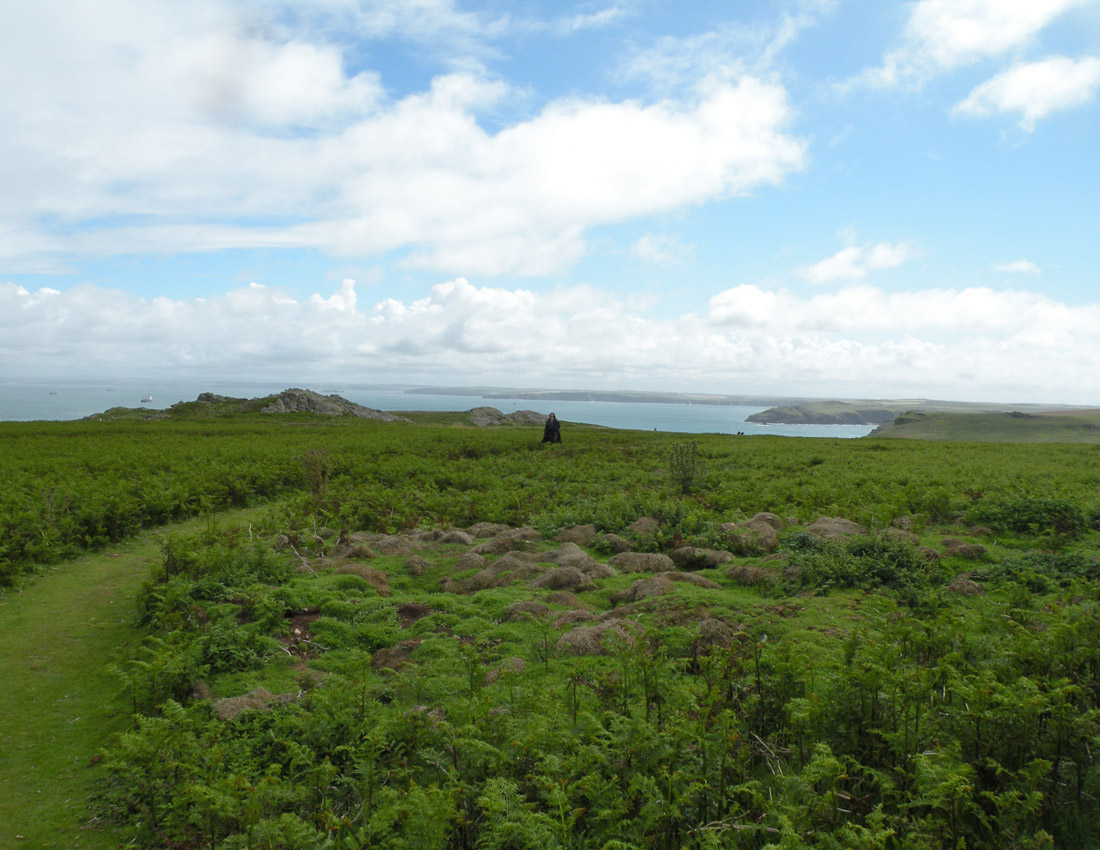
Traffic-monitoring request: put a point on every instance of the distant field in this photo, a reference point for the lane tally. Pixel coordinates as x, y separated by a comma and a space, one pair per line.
1076, 426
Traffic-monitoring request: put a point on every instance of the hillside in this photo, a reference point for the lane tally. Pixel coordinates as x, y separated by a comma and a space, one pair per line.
1074, 426
825, 413
867, 412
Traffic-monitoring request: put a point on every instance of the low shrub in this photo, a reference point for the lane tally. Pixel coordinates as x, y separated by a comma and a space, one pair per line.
863, 562
1032, 515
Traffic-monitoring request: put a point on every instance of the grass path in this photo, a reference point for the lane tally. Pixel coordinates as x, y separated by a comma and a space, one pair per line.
59, 701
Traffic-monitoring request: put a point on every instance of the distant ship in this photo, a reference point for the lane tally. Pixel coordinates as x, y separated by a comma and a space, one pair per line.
147, 399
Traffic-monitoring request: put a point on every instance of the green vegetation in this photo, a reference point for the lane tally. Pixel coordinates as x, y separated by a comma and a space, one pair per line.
687, 470
1078, 426
62, 639
342, 669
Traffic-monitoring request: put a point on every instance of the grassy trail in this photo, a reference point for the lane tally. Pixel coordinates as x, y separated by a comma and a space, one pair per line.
59, 701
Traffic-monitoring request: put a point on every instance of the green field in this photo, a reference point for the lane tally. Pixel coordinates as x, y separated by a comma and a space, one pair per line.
256, 631
1078, 426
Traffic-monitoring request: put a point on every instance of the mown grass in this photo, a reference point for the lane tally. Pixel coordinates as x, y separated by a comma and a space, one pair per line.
60, 634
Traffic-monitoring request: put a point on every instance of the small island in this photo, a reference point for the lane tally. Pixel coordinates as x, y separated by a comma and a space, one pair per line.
291, 400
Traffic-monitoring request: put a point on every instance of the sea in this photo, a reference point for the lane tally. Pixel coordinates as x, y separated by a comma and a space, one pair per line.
35, 401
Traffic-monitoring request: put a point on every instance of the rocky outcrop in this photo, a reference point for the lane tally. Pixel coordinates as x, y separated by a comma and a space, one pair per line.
641, 562
460, 537
511, 540
572, 555
372, 576
961, 549
693, 558
613, 543
597, 640
751, 537
563, 578
834, 528
307, 401
582, 535
657, 585
481, 530
643, 528
486, 416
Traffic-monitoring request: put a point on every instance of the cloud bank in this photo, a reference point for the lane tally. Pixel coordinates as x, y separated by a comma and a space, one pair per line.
175, 147
859, 340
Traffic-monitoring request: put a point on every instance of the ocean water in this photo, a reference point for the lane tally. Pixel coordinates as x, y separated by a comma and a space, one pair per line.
26, 402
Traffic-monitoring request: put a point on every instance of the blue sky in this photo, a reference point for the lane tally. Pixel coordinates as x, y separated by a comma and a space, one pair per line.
826, 197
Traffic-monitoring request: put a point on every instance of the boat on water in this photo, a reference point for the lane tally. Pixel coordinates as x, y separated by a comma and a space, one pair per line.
147, 399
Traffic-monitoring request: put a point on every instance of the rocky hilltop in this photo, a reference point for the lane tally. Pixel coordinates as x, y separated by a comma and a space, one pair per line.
486, 416
824, 413
296, 400
292, 400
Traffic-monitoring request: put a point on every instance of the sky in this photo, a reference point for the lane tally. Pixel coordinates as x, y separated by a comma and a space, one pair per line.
826, 198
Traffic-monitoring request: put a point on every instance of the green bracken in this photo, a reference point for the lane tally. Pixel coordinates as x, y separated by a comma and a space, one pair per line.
332, 672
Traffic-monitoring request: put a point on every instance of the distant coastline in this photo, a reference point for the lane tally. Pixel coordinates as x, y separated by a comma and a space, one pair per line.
878, 413
680, 413
630, 409
780, 410
618, 396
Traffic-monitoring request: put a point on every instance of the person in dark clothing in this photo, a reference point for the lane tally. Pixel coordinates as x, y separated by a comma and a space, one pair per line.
552, 432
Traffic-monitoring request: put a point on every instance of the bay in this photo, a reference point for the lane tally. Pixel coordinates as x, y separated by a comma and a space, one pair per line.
31, 401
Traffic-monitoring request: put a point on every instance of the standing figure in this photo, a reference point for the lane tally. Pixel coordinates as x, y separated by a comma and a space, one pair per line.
552, 432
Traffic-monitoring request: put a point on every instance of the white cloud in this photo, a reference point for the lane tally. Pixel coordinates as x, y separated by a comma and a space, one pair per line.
593, 20
1021, 266
944, 34
854, 262
453, 35
343, 301
1035, 89
725, 52
252, 80
861, 340
520, 200
661, 249
862, 309
182, 129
